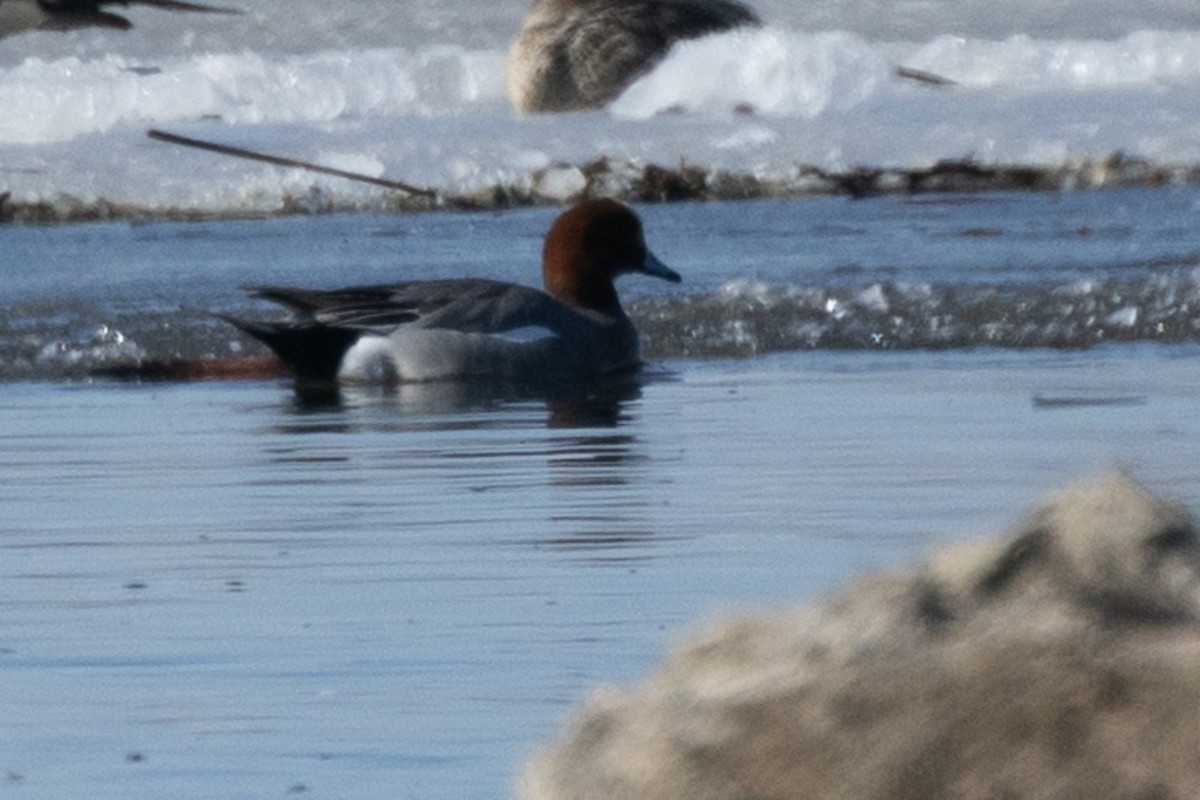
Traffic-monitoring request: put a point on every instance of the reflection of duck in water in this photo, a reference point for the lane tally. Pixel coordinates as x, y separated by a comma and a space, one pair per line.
18, 16
575, 54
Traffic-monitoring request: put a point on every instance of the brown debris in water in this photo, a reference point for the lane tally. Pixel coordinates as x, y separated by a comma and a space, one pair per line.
237, 368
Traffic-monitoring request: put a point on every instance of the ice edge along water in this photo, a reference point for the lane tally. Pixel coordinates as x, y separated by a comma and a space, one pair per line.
778, 109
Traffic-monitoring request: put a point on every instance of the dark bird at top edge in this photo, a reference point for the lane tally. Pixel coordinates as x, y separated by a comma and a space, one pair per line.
21, 16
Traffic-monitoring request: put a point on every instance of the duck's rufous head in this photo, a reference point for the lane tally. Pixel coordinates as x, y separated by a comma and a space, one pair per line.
591, 244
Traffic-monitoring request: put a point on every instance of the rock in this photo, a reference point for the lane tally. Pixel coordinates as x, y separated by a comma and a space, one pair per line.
1059, 661
559, 183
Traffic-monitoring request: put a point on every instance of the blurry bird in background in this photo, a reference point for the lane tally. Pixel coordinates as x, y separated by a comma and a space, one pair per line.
20, 16
576, 54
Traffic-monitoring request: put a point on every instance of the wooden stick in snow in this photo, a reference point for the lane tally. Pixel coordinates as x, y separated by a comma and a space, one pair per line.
280, 161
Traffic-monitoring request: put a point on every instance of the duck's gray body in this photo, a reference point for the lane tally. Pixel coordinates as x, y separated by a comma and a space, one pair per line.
462, 329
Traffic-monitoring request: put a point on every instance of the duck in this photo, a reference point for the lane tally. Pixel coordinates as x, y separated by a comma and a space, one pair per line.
571, 55
475, 329
19, 16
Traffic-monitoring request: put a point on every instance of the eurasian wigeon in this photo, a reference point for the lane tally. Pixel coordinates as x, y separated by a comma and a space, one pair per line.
18, 16
472, 328
576, 54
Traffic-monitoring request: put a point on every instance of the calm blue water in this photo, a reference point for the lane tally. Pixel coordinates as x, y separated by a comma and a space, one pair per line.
212, 590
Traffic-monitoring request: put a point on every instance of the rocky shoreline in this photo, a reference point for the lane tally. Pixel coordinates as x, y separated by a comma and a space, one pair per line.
652, 183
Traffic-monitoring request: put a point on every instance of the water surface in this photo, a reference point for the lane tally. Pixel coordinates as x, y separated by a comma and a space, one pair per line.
210, 591
215, 589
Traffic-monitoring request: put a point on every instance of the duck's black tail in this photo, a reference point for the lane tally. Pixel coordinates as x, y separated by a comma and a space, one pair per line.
312, 351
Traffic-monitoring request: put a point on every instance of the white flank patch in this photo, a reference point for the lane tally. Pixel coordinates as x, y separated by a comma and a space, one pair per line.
370, 360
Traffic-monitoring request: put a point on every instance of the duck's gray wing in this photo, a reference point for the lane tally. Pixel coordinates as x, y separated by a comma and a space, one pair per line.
471, 305
361, 307
326, 324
